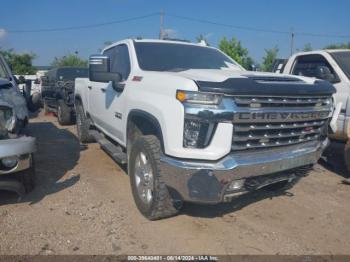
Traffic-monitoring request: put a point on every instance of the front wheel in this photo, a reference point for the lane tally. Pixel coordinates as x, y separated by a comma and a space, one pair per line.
150, 193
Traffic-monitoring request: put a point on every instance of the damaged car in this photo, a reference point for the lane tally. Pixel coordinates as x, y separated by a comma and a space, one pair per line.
17, 171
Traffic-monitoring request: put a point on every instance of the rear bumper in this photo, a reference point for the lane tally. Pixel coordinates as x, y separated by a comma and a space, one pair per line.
208, 181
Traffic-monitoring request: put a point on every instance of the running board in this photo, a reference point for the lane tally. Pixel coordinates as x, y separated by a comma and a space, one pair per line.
114, 151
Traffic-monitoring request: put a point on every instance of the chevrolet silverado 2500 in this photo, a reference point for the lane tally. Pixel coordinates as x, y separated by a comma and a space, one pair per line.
192, 125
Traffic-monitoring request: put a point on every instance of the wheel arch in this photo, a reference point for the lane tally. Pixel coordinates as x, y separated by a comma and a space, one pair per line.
145, 122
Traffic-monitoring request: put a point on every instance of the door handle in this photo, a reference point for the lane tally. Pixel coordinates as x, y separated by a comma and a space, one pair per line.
90, 87
103, 89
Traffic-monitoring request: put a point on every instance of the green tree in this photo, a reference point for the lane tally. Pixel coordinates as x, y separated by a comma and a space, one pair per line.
236, 51
69, 60
201, 38
338, 46
22, 64
269, 58
307, 47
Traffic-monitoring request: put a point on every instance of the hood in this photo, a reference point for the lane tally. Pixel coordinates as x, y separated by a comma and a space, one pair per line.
235, 82
11, 97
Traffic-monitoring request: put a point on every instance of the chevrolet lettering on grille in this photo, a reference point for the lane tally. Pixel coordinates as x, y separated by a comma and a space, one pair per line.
279, 116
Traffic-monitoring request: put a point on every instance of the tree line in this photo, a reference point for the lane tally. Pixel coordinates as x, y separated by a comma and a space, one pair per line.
22, 63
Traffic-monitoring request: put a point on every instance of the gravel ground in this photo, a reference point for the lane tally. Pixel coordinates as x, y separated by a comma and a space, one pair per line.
83, 205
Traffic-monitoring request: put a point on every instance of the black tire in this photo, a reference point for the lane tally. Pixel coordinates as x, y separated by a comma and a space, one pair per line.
347, 155
162, 204
64, 113
27, 177
82, 124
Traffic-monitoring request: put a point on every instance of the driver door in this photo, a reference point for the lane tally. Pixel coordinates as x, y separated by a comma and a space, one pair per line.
112, 97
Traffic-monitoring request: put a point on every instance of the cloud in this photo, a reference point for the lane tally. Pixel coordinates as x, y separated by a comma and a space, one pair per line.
3, 33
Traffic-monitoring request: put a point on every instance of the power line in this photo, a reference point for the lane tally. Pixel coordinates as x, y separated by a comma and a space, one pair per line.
82, 26
227, 25
254, 28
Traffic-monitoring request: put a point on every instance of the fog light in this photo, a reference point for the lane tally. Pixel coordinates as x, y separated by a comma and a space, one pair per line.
236, 185
191, 133
196, 133
9, 162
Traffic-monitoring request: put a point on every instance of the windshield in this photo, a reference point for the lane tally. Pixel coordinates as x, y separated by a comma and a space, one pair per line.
343, 60
71, 73
178, 57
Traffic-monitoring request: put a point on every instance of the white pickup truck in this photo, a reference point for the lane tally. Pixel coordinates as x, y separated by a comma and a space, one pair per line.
332, 66
193, 125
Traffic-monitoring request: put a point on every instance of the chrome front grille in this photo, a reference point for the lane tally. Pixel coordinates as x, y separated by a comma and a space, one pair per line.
256, 102
252, 132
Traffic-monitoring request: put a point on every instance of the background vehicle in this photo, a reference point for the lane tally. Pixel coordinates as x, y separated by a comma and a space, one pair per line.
332, 66
57, 92
30, 86
192, 125
17, 171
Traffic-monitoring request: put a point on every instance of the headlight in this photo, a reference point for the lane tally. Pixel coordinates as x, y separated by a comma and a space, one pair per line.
198, 97
7, 119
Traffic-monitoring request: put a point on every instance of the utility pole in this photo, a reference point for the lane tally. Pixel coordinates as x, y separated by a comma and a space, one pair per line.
161, 24
292, 43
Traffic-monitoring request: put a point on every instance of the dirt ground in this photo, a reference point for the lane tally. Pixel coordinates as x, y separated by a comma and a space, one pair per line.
83, 205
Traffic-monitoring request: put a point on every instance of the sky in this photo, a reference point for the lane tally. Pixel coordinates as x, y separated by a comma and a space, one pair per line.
317, 17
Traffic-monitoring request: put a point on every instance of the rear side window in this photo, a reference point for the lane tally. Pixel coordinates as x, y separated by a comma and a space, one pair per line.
307, 65
119, 59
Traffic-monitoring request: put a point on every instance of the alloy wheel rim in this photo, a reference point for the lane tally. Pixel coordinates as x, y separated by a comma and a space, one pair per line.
144, 178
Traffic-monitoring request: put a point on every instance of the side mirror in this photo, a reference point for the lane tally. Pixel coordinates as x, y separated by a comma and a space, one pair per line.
324, 73
99, 71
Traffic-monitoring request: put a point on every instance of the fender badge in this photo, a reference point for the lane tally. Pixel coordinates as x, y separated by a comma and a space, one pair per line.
137, 78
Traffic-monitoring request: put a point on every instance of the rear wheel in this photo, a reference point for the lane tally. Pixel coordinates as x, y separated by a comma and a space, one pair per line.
64, 113
150, 193
83, 124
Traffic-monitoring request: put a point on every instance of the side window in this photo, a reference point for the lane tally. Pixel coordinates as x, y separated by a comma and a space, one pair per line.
120, 61
314, 66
